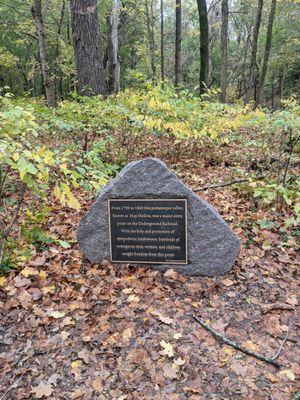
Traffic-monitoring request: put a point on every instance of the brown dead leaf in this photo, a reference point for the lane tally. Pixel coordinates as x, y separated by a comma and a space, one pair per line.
169, 372
227, 282
97, 384
162, 318
172, 275
19, 281
84, 355
38, 262
292, 300
194, 386
42, 390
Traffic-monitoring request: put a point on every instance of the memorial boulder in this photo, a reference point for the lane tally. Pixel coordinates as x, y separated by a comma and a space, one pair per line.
146, 215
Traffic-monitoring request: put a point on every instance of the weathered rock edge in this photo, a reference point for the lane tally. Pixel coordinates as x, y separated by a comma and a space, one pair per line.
212, 246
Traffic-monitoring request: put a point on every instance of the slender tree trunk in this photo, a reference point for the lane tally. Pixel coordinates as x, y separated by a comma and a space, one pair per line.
150, 33
36, 10
162, 58
266, 55
178, 43
253, 64
204, 50
113, 48
87, 47
58, 72
224, 40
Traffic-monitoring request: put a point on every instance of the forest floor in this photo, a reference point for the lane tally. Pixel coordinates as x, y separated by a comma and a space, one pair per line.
72, 330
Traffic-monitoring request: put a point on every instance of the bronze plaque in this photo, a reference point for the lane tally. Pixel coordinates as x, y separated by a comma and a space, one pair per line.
148, 231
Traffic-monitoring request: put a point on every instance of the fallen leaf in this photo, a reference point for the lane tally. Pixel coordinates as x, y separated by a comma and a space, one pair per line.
167, 349
38, 262
127, 290
127, 333
250, 346
76, 364
84, 355
133, 298
28, 271
20, 282
48, 289
272, 378
194, 386
42, 275
56, 314
42, 390
2, 280
172, 275
292, 300
177, 336
227, 282
179, 361
97, 384
162, 318
288, 373
169, 372
64, 335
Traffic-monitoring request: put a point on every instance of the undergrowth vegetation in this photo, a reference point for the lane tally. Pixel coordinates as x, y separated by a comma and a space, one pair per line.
59, 154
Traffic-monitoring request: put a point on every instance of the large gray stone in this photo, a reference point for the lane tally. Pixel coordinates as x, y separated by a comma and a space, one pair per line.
212, 246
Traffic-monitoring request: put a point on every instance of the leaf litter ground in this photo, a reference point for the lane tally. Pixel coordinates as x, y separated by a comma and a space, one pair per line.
72, 330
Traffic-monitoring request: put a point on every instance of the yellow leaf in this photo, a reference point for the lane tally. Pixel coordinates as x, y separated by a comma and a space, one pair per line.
229, 350
76, 364
2, 280
127, 333
133, 298
42, 275
167, 349
16, 156
57, 192
28, 271
288, 373
64, 335
48, 289
179, 361
177, 336
57, 314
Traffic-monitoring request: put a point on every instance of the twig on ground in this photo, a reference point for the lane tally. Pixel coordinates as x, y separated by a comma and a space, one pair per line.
282, 344
11, 386
235, 345
272, 307
220, 185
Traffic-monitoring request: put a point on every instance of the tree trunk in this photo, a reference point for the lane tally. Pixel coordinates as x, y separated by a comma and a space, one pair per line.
162, 58
204, 51
151, 42
113, 48
36, 10
224, 39
87, 47
266, 55
58, 72
178, 43
253, 64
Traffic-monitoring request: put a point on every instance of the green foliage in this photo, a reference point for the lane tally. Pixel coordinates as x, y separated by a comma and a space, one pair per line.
46, 170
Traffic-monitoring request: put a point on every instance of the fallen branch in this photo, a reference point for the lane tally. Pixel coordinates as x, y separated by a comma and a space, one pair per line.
236, 346
277, 306
225, 184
